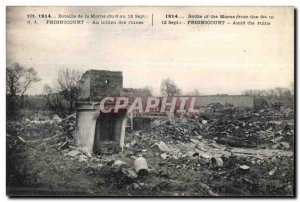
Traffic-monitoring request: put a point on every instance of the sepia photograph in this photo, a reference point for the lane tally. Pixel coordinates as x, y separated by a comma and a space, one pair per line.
150, 101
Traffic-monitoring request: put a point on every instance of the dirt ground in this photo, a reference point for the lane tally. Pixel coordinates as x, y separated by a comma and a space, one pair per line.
204, 155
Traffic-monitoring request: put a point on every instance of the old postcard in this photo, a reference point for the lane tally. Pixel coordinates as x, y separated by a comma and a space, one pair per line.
150, 101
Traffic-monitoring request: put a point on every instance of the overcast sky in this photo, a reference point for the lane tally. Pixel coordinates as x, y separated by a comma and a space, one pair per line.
213, 59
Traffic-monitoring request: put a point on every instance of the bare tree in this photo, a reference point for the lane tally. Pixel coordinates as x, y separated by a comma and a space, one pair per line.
68, 85
54, 100
149, 88
195, 92
47, 89
168, 87
18, 80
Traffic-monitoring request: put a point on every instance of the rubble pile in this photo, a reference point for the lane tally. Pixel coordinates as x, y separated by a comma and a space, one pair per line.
235, 151
249, 128
235, 127
25, 137
223, 151
43, 130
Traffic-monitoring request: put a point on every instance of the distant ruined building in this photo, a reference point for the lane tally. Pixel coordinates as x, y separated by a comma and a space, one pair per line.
136, 92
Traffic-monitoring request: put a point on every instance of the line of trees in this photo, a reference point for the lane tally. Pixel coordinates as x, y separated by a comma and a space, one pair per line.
278, 93
63, 95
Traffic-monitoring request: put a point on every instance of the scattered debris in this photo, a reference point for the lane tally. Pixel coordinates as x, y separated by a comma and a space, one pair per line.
22, 140
119, 163
164, 156
162, 146
56, 118
272, 172
216, 162
85, 151
244, 167
74, 153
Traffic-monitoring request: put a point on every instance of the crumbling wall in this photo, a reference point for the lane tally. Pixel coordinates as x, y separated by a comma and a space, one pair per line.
106, 83
136, 92
96, 83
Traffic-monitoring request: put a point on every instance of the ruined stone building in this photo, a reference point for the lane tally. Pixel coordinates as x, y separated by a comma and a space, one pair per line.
99, 132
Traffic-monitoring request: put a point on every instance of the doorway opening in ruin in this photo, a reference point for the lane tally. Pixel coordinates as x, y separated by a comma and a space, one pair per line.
108, 132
